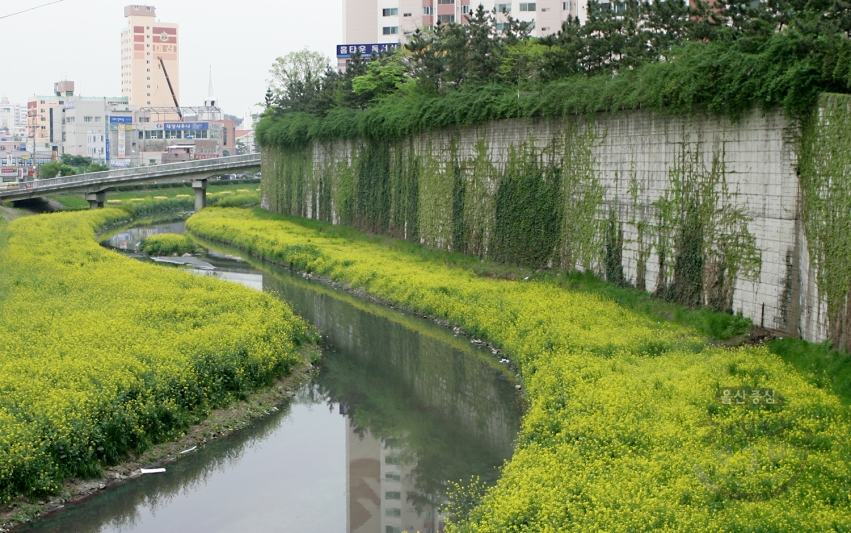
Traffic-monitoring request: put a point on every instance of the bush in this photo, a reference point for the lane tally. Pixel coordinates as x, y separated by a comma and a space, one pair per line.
168, 244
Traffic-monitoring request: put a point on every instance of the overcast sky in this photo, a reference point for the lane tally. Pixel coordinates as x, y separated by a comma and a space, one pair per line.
79, 40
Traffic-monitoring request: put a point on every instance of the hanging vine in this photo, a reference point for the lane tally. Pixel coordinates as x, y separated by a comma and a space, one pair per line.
825, 174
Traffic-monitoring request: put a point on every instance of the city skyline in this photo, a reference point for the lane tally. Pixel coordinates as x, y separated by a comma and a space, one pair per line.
239, 45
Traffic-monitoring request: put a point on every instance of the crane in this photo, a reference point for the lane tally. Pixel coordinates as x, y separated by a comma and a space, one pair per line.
170, 88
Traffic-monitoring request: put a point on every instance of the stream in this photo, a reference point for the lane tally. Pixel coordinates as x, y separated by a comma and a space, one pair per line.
400, 408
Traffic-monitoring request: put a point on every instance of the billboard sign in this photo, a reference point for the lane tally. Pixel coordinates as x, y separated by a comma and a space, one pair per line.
184, 126
120, 120
345, 51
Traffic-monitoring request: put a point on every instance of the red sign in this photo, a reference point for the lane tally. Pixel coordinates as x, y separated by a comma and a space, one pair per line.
6, 170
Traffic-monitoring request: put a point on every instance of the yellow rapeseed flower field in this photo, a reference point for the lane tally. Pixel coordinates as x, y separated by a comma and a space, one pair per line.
629, 426
102, 354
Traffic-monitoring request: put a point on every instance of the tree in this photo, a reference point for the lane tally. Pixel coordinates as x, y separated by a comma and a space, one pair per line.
51, 170
96, 167
297, 75
385, 75
76, 161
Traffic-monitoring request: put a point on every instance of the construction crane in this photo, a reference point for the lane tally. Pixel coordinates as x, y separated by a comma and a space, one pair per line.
170, 88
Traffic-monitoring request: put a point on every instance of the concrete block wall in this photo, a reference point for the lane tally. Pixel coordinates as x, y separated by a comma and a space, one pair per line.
760, 156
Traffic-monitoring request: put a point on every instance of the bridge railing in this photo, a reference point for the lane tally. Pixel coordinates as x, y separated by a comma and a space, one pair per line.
110, 175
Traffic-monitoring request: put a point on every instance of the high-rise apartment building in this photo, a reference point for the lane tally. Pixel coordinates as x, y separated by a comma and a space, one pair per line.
144, 42
370, 22
13, 120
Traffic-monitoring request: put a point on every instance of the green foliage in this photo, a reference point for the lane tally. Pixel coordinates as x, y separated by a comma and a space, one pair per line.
702, 236
168, 244
664, 56
97, 167
76, 161
528, 214
825, 175
54, 168
824, 367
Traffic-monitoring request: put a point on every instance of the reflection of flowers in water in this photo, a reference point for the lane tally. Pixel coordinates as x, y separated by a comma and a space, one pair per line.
753, 454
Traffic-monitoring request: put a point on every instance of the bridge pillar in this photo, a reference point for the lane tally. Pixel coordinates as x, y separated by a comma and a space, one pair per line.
200, 187
96, 199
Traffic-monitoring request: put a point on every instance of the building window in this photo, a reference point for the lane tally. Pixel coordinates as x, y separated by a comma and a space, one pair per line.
500, 26
390, 12
406, 15
567, 6
393, 512
446, 18
427, 10
393, 495
445, 1
466, 10
87, 119
530, 6
390, 30
503, 8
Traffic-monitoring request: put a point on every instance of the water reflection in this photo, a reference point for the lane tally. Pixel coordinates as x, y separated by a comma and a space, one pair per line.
400, 408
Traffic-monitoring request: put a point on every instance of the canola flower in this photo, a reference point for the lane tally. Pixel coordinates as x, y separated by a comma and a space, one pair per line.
102, 355
625, 431
168, 244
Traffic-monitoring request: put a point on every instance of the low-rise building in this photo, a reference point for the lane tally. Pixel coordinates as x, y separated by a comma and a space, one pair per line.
46, 116
87, 120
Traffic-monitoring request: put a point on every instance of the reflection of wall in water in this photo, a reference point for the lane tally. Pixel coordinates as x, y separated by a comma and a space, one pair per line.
469, 396
379, 476
418, 363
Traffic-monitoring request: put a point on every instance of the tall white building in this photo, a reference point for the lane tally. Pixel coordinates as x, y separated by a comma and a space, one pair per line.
13, 120
144, 42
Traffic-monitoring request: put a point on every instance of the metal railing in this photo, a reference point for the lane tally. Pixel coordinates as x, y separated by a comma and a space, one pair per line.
140, 173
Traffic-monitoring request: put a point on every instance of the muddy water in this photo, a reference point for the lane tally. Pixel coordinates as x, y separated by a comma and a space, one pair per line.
400, 408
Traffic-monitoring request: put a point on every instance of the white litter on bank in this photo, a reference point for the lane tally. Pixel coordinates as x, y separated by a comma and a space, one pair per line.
152, 470
192, 449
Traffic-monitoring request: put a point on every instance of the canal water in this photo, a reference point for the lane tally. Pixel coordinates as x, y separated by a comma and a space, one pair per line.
400, 408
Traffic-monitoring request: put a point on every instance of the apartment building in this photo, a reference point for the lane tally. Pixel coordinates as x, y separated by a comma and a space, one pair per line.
144, 43
13, 120
373, 25
46, 117
87, 123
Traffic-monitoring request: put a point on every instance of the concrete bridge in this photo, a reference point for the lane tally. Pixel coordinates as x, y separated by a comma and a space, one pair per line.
95, 185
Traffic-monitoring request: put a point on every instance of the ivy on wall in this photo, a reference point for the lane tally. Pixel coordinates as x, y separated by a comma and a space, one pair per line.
702, 236
538, 207
825, 177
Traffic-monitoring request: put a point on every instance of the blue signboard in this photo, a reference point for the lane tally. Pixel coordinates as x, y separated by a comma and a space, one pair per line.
366, 50
121, 120
181, 126
107, 148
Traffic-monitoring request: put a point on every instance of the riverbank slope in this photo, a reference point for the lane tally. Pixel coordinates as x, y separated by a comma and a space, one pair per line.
634, 423
103, 356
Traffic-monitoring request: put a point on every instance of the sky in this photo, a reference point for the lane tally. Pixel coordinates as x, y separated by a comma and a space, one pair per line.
79, 40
